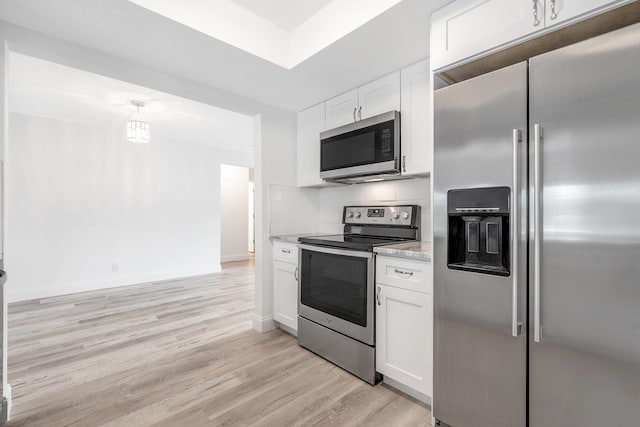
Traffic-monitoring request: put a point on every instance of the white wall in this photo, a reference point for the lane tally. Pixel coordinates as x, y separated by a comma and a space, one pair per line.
276, 149
234, 213
274, 130
81, 199
4, 129
251, 226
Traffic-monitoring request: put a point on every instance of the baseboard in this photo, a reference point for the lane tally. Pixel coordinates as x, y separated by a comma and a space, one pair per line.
5, 415
16, 294
263, 324
407, 390
231, 258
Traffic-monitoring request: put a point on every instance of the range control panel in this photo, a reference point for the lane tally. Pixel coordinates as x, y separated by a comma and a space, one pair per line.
381, 215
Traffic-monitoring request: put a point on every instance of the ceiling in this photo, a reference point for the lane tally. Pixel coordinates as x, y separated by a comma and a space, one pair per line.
392, 40
44, 89
257, 34
286, 14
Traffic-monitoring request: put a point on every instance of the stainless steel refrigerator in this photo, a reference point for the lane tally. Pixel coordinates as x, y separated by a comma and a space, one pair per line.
537, 241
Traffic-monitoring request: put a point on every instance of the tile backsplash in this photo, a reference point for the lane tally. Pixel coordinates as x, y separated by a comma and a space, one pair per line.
410, 191
293, 210
307, 210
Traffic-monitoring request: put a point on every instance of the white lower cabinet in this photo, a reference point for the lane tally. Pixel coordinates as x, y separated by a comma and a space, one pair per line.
404, 336
285, 290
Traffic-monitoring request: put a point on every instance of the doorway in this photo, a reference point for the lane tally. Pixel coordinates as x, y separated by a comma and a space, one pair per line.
237, 219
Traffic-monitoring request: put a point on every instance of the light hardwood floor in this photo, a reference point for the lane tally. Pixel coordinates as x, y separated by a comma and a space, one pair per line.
179, 353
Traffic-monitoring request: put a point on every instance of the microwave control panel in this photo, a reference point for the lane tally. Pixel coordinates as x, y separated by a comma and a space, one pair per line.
380, 215
385, 141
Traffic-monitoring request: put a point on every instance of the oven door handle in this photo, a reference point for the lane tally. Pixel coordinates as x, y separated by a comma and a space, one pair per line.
334, 251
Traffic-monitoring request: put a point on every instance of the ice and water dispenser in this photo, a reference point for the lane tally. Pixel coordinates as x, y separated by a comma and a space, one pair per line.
479, 235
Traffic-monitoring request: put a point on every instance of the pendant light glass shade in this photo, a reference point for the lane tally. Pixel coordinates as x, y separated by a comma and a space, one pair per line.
137, 129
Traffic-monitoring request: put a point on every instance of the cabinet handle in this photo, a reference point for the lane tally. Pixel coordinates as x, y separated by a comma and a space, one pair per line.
408, 273
378, 296
536, 21
354, 113
295, 274
554, 15
404, 163
286, 251
360, 113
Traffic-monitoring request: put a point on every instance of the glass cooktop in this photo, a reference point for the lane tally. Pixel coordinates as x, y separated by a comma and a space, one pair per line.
351, 241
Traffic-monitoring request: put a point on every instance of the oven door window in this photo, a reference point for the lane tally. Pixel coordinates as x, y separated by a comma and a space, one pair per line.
335, 284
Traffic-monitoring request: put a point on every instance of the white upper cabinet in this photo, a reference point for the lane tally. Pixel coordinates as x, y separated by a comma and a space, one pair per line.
310, 123
406, 91
377, 97
558, 11
342, 109
380, 96
416, 119
467, 27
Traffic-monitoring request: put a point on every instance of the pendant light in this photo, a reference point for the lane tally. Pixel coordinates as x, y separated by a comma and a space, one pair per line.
138, 129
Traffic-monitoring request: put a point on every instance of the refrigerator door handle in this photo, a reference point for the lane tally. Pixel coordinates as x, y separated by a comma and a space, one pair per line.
537, 136
516, 325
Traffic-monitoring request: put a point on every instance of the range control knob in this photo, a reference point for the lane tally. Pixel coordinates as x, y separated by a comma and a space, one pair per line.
396, 215
358, 214
405, 215
349, 214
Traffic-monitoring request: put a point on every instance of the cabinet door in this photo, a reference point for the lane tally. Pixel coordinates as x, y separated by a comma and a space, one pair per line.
562, 10
416, 120
380, 96
342, 109
310, 123
404, 337
467, 28
285, 294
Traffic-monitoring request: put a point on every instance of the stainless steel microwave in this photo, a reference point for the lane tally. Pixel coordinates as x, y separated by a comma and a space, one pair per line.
363, 151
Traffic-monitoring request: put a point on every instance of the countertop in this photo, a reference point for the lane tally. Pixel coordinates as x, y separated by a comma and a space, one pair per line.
414, 250
290, 238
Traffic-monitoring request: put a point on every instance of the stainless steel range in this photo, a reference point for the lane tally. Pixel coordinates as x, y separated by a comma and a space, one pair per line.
336, 285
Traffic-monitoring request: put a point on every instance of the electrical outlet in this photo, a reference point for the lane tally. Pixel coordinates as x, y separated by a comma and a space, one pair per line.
115, 267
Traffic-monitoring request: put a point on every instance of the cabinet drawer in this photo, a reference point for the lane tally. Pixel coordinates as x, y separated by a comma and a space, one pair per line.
405, 274
285, 252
